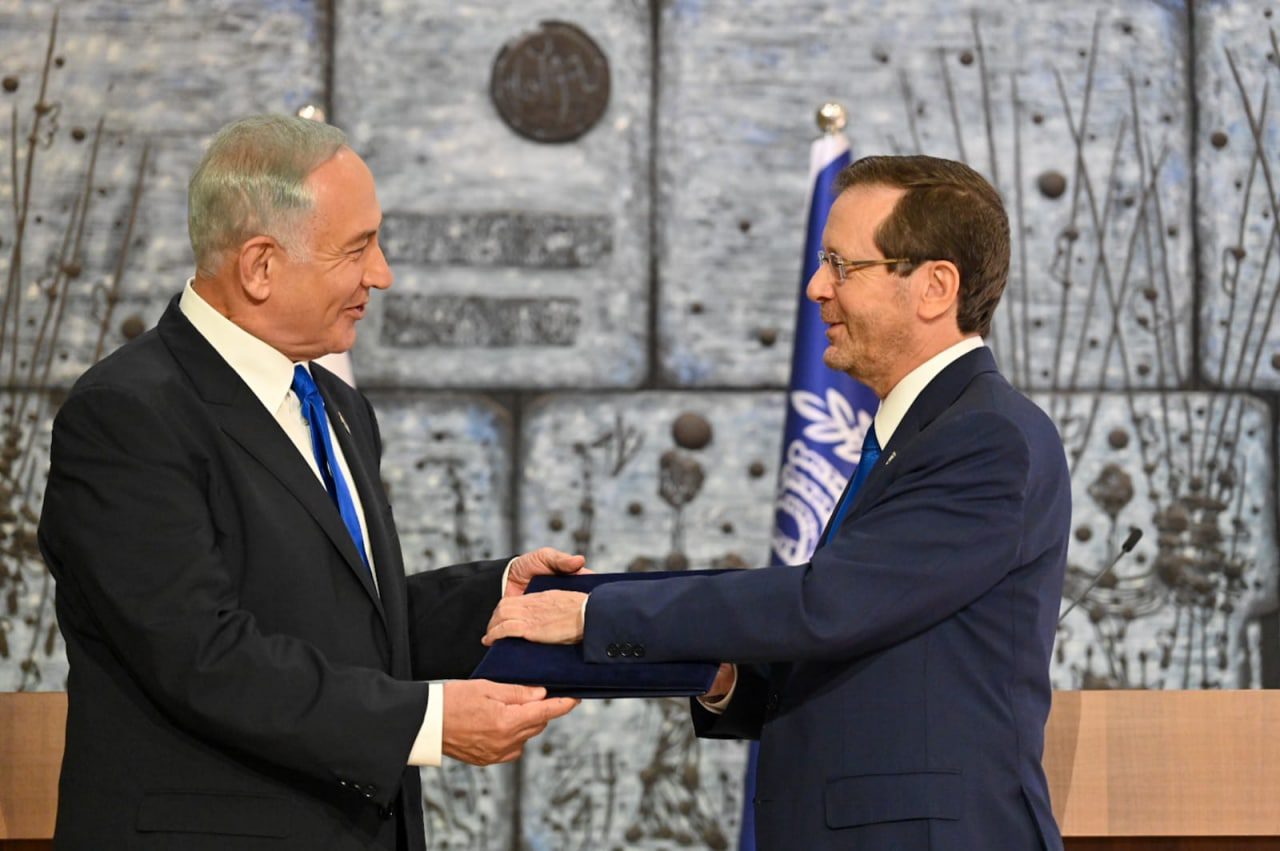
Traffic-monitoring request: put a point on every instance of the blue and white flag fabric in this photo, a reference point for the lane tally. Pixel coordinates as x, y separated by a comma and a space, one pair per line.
828, 414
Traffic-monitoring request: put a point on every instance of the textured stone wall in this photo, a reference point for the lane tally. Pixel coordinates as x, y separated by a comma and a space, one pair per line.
587, 342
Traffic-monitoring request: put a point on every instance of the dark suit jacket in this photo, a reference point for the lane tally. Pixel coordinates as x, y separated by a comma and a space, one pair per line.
904, 684
236, 681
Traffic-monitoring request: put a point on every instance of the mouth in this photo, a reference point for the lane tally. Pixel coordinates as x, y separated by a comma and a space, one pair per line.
357, 310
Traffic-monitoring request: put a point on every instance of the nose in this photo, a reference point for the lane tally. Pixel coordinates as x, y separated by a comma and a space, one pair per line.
819, 288
377, 272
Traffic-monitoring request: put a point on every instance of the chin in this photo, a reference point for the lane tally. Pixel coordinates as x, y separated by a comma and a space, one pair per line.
833, 358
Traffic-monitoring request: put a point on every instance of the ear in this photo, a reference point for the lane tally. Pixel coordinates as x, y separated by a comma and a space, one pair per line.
941, 293
258, 261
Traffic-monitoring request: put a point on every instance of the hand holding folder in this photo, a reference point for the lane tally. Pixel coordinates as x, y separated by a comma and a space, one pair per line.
564, 672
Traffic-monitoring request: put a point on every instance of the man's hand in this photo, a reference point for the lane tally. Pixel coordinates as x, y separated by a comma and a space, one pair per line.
549, 617
540, 562
486, 722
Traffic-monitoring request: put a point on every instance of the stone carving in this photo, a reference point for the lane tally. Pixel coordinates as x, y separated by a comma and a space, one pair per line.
551, 85
1192, 471
521, 240
50, 275
448, 321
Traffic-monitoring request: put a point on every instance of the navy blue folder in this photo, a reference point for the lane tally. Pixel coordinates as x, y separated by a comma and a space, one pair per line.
564, 672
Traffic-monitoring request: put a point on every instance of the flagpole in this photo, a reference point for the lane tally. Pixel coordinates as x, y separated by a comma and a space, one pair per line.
828, 412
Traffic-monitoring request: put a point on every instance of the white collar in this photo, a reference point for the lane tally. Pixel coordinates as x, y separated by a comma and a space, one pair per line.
268, 373
903, 395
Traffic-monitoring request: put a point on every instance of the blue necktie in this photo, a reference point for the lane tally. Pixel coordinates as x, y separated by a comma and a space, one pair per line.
313, 409
870, 454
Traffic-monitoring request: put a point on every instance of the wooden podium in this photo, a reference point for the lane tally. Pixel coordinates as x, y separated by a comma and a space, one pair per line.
32, 727
1128, 770
1166, 770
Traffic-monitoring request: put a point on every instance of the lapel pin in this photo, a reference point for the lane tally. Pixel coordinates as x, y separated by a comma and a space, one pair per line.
343, 420
892, 455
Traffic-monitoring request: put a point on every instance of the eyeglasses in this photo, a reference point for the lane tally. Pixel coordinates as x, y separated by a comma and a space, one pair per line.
844, 267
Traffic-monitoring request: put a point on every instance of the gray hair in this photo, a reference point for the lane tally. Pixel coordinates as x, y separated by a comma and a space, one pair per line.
252, 181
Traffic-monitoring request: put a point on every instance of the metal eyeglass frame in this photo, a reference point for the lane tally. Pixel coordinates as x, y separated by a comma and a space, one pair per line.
844, 267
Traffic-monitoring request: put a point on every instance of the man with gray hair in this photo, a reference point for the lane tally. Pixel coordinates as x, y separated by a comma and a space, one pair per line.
250, 666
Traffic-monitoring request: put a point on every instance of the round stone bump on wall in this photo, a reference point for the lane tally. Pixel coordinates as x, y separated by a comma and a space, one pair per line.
1218, 139
1052, 184
552, 84
691, 431
1118, 438
132, 327
10, 84
767, 336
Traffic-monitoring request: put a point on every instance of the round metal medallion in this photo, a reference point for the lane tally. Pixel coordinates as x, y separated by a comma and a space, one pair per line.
551, 85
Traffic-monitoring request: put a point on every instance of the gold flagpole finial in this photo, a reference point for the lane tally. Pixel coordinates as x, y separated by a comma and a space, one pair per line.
831, 117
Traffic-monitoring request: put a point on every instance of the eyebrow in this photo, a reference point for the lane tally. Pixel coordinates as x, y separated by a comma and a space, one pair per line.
363, 237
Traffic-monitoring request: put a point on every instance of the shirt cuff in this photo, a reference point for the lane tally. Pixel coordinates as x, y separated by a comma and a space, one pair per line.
720, 704
428, 748
502, 589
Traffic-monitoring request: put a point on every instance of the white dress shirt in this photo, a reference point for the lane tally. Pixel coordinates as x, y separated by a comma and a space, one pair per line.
269, 374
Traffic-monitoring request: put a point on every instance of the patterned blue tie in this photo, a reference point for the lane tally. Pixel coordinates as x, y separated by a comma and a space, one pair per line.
870, 454
313, 409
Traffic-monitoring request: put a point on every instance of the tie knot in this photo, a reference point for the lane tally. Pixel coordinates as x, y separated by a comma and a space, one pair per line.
870, 443
305, 386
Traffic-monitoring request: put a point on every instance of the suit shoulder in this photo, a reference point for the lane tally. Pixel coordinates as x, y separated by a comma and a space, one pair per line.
1034, 425
141, 362
994, 392
143, 373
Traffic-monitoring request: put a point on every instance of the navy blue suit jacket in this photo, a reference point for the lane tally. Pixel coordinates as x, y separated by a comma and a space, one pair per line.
901, 683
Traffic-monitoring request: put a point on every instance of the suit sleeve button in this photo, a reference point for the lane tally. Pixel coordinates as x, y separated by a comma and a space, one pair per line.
625, 649
638, 651
611, 651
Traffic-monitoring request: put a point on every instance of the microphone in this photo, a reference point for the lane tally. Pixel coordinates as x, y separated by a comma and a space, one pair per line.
1135, 535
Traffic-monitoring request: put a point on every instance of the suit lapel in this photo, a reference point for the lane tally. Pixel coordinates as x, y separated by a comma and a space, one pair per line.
243, 418
936, 397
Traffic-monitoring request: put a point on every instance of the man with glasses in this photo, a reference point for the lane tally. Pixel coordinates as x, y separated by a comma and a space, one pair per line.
898, 682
